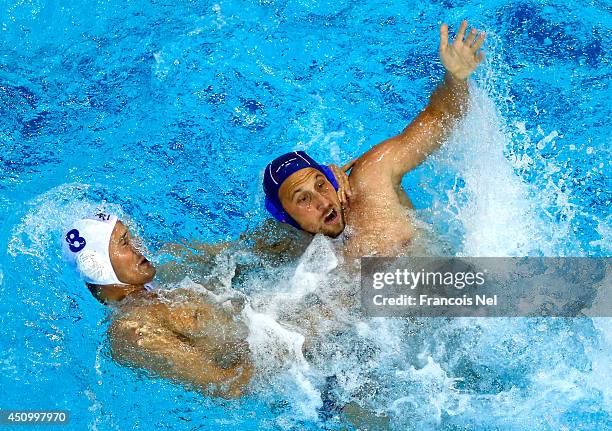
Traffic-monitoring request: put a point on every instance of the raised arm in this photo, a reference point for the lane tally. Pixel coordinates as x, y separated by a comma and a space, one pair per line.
394, 157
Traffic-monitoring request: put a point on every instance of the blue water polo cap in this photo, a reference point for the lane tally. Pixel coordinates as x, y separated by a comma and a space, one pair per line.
278, 171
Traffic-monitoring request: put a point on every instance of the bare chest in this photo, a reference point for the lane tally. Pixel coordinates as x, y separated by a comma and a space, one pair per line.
382, 228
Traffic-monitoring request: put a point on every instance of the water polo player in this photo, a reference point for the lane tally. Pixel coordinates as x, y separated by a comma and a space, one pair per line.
177, 333
302, 193
100, 248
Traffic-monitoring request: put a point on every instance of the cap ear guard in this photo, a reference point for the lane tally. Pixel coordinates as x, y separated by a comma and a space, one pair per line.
280, 214
91, 266
330, 175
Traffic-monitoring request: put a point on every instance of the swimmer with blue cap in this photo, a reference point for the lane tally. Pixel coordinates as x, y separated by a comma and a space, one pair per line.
303, 193
312, 201
101, 250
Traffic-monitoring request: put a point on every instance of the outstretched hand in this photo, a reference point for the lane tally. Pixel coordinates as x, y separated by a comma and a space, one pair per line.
461, 57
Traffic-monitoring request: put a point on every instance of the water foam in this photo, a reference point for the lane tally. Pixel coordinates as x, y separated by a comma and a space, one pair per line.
51, 213
434, 373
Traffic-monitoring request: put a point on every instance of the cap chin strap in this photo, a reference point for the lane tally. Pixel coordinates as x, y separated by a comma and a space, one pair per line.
283, 216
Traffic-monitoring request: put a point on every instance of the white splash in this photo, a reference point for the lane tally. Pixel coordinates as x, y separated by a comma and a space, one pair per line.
51, 213
496, 213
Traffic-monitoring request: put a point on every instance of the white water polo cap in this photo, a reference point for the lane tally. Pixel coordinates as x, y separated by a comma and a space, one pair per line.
86, 246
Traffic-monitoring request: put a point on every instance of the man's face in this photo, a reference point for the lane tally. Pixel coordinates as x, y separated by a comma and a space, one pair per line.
312, 201
130, 266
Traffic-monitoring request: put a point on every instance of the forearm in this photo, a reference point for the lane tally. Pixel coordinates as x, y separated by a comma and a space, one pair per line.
193, 368
394, 157
447, 104
450, 97
155, 348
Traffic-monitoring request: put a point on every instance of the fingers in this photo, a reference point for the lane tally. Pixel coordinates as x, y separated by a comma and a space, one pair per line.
461, 33
346, 184
349, 165
443, 37
471, 37
342, 197
474, 39
344, 187
479, 41
340, 192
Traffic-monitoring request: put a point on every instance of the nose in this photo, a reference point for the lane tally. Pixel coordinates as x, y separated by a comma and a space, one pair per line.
322, 202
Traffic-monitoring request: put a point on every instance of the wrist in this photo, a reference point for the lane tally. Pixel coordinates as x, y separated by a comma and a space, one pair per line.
453, 78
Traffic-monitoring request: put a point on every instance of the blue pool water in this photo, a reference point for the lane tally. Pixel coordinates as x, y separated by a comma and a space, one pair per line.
169, 111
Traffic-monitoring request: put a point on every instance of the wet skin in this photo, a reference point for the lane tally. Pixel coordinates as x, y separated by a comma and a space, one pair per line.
181, 336
377, 211
376, 215
130, 266
184, 338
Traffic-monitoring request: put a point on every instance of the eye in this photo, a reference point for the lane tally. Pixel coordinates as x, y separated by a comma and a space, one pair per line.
321, 185
303, 198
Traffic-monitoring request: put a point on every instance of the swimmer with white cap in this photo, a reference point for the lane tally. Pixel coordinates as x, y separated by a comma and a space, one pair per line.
100, 248
178, 334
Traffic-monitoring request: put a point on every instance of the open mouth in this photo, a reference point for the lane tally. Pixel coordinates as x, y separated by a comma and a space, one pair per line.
332, 217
